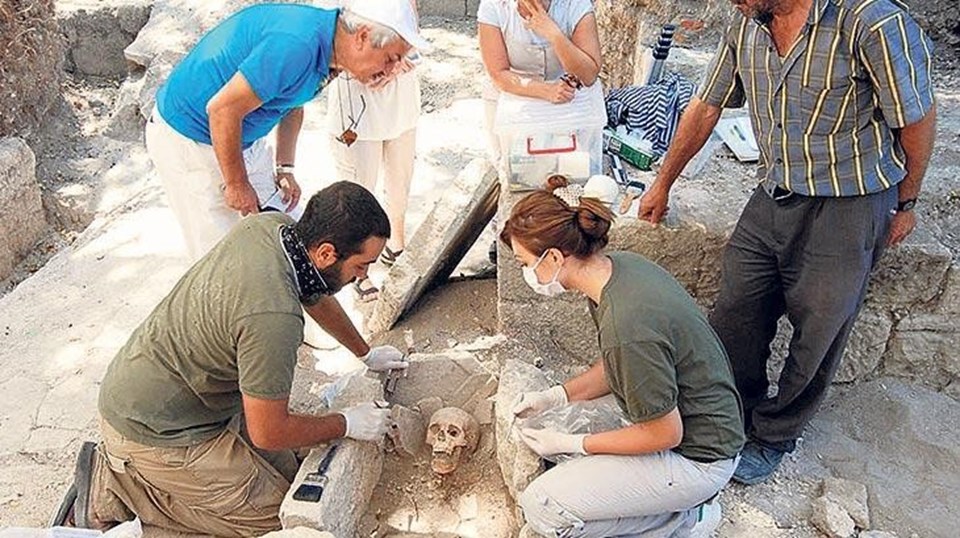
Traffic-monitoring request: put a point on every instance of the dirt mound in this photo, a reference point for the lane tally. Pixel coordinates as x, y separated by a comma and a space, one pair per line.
31, 52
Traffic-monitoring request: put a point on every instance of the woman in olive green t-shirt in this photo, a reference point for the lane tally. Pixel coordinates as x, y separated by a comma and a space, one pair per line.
662, 362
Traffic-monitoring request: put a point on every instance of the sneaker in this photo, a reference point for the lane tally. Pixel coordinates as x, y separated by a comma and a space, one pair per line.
757, 463
709, 515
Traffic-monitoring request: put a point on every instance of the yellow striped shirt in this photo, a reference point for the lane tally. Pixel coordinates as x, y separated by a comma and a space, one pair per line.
825, 115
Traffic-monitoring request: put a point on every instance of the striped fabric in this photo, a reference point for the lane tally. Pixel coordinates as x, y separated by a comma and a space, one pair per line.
653, 110
824, 114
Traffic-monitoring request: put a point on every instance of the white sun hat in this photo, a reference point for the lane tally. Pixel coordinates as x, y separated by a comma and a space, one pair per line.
398, 15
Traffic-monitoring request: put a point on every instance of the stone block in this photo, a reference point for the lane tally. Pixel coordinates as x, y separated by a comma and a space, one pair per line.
456, 378
443, 8
440, 242
912, 274
851, 496
831, 519
22, 221
876, 534
315, 393
924, 348
96, 38
518, 464
356, 467
351, 478
866, 346
408, 430
949, 302
126, 121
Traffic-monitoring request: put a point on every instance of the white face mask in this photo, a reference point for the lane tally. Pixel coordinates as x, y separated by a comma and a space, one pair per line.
550, 289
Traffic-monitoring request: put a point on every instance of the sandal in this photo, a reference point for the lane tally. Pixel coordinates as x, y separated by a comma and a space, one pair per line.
366, 295
74, 509
389, 257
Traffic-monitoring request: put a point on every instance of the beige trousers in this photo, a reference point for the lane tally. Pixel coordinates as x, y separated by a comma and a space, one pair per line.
194, 185
222, 487
362, 163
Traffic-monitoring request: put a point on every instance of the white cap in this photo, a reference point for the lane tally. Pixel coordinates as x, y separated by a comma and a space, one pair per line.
398, 15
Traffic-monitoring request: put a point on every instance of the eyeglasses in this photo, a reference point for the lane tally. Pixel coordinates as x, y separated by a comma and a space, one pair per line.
349, 135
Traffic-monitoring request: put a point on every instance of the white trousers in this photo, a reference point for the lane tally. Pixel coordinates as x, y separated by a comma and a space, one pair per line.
194, 185
652, 495
363, 162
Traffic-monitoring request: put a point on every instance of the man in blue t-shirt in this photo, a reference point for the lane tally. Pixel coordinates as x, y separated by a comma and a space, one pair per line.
251, 73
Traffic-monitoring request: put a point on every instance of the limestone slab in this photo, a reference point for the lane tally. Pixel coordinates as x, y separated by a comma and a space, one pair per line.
457, 378
22, 220
353, 473
518, 464
440, 242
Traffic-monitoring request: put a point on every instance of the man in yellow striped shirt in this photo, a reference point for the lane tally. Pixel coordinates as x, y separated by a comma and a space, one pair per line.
842, 106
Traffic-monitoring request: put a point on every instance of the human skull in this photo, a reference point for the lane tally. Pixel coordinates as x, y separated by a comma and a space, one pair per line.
452, 434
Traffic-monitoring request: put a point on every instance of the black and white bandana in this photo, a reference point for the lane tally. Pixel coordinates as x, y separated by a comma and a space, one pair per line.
310, 284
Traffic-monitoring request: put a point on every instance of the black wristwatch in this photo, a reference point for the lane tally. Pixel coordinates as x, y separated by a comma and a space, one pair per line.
906, 205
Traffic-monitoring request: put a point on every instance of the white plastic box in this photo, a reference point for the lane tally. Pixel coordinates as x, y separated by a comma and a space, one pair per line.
539, 138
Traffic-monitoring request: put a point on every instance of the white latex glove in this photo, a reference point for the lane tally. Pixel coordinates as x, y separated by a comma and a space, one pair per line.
383, 358
550, 442
366, 422
529, 404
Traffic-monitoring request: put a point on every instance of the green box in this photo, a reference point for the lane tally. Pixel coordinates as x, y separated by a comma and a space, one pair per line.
628, 148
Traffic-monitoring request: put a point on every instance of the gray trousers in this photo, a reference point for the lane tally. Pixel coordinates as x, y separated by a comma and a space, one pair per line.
651, 495
809, 258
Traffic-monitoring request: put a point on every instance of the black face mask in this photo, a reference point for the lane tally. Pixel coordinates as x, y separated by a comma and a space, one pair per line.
310, 282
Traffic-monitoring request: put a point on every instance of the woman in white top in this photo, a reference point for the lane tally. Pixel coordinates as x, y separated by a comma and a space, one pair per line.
381, 119
528, 46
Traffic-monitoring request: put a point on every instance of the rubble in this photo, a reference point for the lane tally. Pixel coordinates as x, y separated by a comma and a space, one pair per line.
831, 518
851, 496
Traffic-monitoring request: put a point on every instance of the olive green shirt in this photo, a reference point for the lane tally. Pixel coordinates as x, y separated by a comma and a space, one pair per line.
660, 353
232, 325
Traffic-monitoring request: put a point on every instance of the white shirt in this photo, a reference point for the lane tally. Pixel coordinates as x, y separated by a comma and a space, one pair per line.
390, 111
528, 53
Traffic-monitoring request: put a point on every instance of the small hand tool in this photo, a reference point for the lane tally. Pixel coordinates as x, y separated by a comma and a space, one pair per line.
312, 487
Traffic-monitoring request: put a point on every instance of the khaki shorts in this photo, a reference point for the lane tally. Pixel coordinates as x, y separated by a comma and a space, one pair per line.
222, 486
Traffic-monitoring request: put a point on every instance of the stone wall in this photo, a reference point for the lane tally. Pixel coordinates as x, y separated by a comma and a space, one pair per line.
96, 37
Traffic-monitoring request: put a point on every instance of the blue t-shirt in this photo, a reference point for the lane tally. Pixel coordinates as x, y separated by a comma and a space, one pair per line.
283, 50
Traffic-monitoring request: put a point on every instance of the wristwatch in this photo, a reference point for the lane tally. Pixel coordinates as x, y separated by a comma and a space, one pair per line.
906, 205
284, 169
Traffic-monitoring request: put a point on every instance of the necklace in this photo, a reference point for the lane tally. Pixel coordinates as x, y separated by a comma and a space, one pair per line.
348, 136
